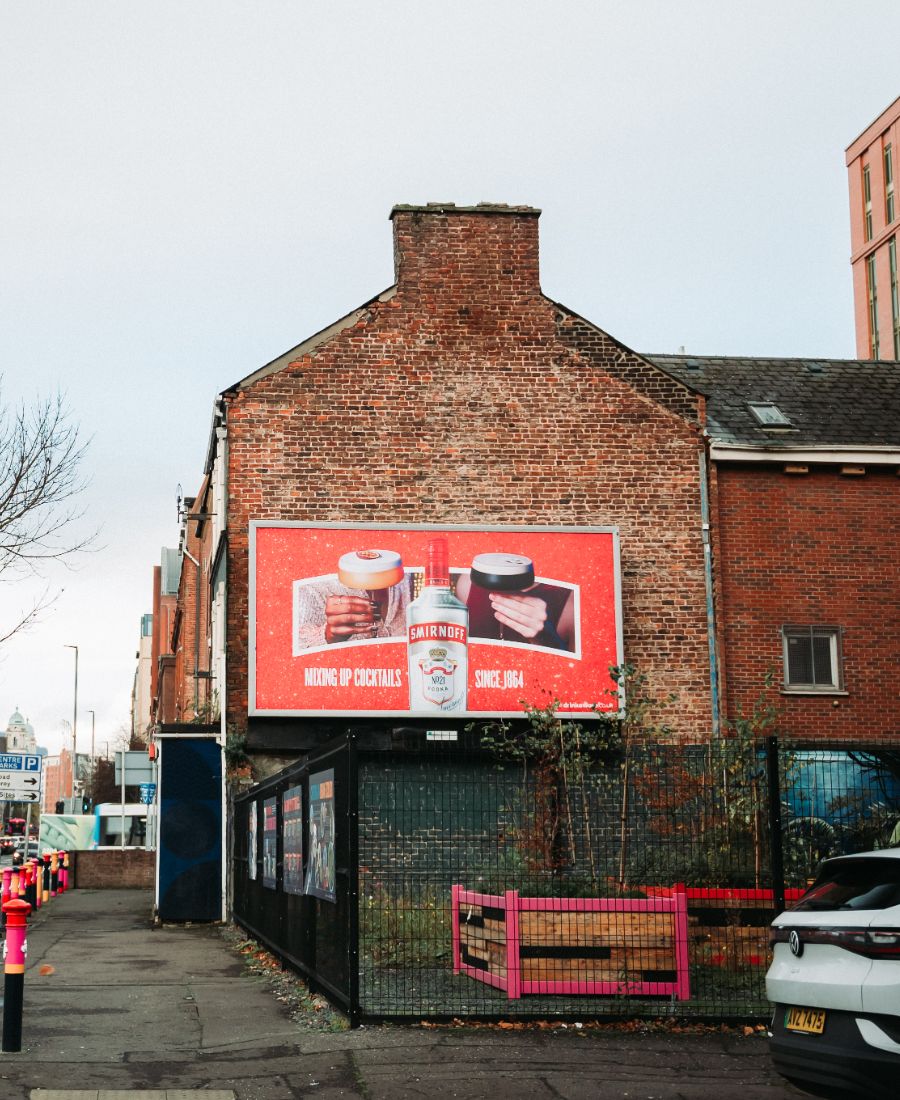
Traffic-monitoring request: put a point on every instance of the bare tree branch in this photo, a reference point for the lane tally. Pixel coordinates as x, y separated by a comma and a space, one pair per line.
41, 456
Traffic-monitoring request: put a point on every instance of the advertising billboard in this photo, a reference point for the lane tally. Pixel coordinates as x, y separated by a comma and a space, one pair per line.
424, 621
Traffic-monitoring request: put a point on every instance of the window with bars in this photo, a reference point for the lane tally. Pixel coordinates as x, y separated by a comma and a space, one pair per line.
812, 658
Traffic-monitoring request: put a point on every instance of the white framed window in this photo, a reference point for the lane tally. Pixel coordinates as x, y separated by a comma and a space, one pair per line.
812, 658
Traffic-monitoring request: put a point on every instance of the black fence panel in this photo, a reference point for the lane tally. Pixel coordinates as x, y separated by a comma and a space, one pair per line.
634, 879
294, 868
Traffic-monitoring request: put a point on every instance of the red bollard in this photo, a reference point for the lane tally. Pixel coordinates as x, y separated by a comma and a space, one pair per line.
29, 883
36, 875
16, 912
4, 891
54, 874
63, 876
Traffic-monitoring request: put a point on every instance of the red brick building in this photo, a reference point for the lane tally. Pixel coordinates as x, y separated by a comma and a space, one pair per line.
806, 522
195, 698
756, 500
464, 395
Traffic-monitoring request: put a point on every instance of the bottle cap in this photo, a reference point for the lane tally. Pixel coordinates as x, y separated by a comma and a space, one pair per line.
437, 567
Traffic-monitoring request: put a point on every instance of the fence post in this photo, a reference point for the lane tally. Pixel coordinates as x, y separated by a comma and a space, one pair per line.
355, 1010
16, 912
775, 834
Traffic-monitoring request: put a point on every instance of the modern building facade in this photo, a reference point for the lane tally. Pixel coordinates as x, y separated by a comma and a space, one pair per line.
872, 164
140, 692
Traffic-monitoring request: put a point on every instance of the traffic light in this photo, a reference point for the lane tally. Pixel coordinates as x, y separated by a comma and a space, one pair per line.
85, 805
60, 806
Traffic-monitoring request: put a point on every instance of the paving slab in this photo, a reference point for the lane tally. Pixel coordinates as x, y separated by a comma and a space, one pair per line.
117, 1009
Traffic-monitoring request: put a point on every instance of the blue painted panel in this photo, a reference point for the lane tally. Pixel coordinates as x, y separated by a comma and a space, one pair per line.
190, 830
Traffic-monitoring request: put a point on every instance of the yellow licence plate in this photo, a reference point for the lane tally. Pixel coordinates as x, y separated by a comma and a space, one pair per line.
810, 1020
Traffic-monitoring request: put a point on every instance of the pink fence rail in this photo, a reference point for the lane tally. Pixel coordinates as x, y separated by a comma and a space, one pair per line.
501, 965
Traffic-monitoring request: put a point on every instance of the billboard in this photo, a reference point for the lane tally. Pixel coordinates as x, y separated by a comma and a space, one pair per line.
424, 621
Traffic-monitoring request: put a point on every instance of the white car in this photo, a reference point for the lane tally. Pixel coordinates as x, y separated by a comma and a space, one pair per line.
835, 978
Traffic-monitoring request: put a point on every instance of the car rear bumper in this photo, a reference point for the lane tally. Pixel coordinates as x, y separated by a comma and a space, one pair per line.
839, 1058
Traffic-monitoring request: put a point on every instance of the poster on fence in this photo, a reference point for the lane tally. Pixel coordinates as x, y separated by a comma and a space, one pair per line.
251, 840
292, 840
270, 843
320, 869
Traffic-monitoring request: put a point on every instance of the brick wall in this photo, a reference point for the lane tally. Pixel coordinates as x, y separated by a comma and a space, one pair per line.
110, 869
466, 396
813, 549
191, 632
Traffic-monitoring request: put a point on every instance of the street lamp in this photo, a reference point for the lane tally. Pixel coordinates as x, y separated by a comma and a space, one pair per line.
75, 707
93, 762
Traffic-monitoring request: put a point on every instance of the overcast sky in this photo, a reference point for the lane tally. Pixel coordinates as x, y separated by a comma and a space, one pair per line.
188, 189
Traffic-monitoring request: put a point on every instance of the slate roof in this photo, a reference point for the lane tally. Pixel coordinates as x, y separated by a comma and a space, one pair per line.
842, 403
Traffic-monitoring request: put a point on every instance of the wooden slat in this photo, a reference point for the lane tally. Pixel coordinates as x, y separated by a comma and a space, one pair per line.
596, 929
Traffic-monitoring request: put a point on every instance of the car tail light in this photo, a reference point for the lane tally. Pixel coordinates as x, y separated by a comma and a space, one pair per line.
874, 943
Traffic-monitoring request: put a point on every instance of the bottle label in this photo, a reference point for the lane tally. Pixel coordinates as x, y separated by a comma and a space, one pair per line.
437, 632
437, 673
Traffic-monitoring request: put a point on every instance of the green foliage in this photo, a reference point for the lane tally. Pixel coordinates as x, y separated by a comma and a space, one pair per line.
566, 765
403, 929
236, 751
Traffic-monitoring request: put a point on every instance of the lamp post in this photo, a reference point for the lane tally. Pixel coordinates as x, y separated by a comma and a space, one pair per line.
74, 718
93, 762
75, 706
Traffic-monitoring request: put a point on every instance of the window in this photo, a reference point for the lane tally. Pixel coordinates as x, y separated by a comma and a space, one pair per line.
873, 306
768, 415
812, 658
867, 200
895, 296
888, 184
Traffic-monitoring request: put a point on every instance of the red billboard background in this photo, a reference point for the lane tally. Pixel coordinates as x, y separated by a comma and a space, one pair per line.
294, 670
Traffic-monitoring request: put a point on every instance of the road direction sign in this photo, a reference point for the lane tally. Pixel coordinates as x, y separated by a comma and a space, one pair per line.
20, 777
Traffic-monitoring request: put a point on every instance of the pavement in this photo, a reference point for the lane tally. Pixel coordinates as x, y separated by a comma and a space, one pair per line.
117, 1009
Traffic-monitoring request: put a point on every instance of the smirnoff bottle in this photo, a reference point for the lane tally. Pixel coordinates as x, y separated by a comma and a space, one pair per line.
438, 633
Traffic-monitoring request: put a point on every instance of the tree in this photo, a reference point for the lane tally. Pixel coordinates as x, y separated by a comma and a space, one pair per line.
41, 456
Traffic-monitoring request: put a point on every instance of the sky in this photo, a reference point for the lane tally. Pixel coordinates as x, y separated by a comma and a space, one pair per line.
187, 190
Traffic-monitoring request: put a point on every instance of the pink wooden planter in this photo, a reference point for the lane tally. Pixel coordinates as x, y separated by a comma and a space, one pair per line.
607, 946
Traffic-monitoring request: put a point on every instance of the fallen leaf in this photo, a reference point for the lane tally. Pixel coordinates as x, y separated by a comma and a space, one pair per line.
46, 969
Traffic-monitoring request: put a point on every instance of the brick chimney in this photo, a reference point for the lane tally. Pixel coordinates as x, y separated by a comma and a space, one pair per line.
454, 253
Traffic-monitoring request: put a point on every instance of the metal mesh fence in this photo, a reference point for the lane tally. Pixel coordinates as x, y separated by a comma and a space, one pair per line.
634, 880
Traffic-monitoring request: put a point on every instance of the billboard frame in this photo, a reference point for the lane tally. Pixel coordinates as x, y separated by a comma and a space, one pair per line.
256, 525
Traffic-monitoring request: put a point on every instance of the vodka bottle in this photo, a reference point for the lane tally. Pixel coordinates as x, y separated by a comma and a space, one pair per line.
437, 636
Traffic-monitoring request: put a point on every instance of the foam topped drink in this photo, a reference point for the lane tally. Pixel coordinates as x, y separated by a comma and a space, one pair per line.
437, 639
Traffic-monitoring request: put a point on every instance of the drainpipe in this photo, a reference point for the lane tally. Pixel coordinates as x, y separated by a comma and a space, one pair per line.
710, 602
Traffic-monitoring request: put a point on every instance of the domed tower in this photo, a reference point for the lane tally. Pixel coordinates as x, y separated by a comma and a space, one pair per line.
19, 736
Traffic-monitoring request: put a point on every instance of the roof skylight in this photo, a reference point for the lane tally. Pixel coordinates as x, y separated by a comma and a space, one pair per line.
769, 415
